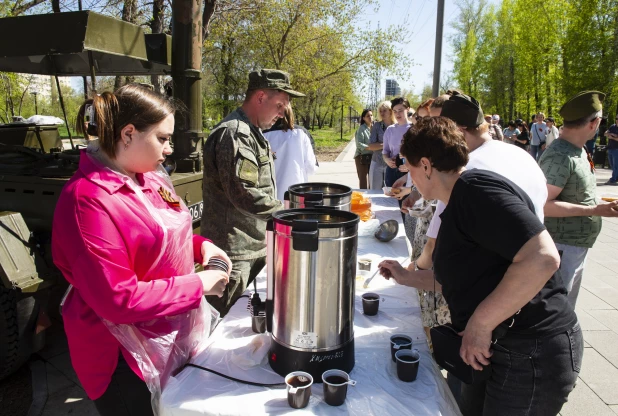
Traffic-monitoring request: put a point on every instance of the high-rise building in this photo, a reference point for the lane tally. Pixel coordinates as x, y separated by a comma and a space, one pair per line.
392, 88
42, 84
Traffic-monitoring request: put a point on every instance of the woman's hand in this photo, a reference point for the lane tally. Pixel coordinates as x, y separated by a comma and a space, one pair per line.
213, 282
402, 168
401, 182
392, 268
390, 162
400, 193
408, 204
475, 345
210, 251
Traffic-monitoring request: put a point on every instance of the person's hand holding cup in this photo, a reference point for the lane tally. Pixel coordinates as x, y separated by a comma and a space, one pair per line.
213, 282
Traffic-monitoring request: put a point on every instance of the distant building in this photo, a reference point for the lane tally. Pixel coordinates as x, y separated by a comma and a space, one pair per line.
392, 88
42, 84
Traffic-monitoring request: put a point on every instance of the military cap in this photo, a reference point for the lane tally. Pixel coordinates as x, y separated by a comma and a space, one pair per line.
463, 110
271, 79
582, 105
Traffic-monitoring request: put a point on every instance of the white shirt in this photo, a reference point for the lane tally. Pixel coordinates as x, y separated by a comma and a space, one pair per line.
511, 162
552, 135
295, 159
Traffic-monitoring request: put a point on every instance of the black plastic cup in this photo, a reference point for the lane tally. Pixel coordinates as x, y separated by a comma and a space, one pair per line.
299, 389
371, 303
407, 364
335, 384
400, 342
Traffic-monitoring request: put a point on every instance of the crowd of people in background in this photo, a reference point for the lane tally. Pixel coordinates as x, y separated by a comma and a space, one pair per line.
534, 137
548, 172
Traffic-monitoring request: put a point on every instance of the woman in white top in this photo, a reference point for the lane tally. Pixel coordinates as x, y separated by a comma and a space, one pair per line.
291, 148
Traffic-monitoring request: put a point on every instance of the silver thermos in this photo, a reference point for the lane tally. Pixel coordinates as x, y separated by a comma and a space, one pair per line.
311, 275
316, 194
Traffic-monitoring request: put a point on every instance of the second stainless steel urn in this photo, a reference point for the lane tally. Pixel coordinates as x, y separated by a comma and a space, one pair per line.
311, 275
318, 194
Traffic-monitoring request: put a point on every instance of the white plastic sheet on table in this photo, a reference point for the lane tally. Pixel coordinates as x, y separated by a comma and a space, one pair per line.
378, 391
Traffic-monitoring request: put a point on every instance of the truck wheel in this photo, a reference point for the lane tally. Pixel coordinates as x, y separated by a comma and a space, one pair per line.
18, 320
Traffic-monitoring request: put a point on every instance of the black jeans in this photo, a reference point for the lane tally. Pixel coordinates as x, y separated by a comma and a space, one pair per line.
391, 175
126, 395
529, 376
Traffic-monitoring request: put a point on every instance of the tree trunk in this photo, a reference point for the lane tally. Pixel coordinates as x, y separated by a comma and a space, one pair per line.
129, 14
512, 89
536, 89
156, 25
548, 90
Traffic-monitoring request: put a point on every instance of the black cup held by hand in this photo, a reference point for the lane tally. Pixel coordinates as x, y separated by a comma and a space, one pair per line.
407, 364
371, 303
400, 342
335, 384
299, 389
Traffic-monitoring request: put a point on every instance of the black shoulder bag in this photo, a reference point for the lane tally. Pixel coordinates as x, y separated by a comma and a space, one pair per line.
447, 344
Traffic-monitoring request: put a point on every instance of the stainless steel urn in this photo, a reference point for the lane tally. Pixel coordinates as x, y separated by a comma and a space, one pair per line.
317, 194
311, 272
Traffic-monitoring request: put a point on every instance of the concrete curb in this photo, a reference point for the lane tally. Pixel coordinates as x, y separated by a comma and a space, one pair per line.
349, 147
39, 387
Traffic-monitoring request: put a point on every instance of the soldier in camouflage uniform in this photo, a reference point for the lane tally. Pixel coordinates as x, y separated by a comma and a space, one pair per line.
239, 180
572, 213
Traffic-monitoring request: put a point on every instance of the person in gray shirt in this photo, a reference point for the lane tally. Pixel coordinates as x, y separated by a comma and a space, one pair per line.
510, 133
538, 136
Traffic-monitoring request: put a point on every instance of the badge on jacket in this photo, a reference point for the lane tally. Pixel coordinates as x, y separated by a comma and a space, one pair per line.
167, 197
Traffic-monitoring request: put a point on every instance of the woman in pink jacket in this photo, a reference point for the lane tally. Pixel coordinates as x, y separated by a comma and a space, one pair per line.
124, 241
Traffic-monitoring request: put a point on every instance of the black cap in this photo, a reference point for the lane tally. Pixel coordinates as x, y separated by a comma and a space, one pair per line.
463, 110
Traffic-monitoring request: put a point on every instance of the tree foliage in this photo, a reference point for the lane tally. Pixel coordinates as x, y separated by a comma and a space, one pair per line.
524, 56
319, 42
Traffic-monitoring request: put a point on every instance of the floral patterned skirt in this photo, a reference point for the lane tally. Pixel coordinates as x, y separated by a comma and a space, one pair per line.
440, 314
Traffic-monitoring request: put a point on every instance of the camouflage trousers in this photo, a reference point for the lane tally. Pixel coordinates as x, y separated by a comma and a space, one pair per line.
242, 274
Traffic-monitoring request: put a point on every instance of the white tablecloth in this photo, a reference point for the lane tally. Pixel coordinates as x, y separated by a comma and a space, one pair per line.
378, 391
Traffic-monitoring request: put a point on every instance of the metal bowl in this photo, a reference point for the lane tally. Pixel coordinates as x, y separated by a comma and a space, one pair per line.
387, 231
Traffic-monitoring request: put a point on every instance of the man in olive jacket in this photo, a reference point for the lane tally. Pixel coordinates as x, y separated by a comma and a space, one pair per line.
239, 180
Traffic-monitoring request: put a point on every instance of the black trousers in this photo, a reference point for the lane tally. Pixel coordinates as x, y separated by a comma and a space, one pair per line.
126, 395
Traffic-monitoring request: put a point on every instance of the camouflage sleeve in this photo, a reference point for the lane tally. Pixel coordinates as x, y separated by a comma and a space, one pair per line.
557, 168
239, 172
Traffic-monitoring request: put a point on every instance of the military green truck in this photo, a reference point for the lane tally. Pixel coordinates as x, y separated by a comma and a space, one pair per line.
35, 162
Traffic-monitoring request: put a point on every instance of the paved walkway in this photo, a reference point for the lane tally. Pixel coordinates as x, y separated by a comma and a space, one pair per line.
596, 393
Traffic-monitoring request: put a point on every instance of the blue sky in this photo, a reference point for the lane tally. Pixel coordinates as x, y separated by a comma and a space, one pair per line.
419, 16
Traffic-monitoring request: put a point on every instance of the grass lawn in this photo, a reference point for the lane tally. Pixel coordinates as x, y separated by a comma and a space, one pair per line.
62, 130
328, 144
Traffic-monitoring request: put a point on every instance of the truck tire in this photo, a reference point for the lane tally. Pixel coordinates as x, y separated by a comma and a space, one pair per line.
18, 320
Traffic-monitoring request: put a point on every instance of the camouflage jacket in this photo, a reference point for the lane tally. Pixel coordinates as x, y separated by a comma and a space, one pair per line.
239, 187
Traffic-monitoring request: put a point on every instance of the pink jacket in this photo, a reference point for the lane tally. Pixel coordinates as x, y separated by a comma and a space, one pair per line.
104, 242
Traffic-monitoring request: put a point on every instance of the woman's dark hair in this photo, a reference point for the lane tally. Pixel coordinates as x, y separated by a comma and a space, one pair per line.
111, 112
524, 126
439, 140
400, 100
363, 114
